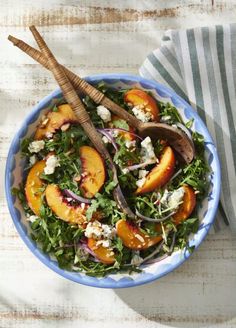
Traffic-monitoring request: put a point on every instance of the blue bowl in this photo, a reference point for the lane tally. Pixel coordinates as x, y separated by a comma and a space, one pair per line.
206, 210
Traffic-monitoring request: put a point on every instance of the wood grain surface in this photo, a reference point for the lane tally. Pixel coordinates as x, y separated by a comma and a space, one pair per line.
93, 37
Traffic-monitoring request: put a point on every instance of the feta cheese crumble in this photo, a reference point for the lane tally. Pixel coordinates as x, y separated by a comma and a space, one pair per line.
143, 116
142, 173
98, 230
125, 170
104, 243
105, 140
32, 160
130, 144
102, 232
172, 199
104, 113
140, 182
36, 146
32, 218
147, 151
49, 135
142, 178
136, 259
51, 163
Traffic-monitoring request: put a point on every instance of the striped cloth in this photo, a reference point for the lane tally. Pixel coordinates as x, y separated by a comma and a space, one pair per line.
200, 65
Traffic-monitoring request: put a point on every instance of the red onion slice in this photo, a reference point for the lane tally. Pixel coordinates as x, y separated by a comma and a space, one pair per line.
146, 218
88, 250
80, 199
138, 166
109, 137
123, 130
183, 128
156, 251
160, 258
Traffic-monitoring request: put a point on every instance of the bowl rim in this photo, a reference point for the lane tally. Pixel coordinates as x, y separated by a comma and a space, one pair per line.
86, 280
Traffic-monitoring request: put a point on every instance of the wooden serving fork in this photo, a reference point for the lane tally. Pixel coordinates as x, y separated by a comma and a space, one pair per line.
82, 115
176, 138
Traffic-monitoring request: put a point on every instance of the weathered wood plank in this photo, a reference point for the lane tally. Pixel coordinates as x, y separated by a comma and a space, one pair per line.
54, 14
95, 37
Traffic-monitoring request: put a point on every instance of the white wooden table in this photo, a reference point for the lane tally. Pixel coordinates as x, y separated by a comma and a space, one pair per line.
93, 37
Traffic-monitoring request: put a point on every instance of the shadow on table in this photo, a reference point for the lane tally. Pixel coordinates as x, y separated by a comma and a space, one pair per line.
195, 295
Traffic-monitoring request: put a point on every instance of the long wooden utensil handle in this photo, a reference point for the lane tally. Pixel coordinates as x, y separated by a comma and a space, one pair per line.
70, 94
78, 83
74, 101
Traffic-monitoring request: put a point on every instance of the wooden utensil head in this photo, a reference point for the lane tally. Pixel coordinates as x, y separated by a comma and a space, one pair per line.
176, 138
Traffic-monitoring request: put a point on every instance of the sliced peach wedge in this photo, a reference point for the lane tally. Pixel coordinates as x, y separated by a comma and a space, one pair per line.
33, 187
187, 207
161, 173
55, 120
65, 211
142, 99
105, 255
125, 135
93, 171
132, 237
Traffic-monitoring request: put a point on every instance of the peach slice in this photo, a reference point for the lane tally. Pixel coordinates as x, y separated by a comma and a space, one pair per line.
65, 211
161, 173
141, 98
132, 237
54, 120
126, 135
33, 185
105, 255
188, 205
93, 175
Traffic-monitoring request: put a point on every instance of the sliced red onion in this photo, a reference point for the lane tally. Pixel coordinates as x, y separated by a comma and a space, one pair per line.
80, 199
183, 127
109, 137
88, 250
157, 259
138, 166
160, 258
156, 251
172, 244
123, 130
146, 218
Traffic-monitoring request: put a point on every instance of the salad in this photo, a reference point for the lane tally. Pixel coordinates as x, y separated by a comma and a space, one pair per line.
67, 194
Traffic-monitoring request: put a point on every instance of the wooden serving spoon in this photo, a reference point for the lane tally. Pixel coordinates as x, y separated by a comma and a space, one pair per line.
77, 106
176, 138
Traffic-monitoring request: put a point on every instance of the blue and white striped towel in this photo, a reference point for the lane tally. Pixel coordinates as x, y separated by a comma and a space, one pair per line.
200, 65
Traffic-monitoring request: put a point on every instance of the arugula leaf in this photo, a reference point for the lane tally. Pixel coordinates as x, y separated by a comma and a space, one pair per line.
195, 175
110, 186
198, 140
124, 156
24, 147
20, 194
187, 227
166, 109
55, 109
189, 124
122, 124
